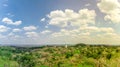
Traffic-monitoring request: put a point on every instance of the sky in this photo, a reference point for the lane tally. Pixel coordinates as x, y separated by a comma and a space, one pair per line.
60, 22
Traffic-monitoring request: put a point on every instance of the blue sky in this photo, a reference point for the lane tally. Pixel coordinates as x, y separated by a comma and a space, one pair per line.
59, 21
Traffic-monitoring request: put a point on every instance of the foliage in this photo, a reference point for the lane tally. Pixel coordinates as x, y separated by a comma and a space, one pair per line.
27, 60
79, 55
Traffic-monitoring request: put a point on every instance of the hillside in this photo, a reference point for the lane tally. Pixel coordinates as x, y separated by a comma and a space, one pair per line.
80, 55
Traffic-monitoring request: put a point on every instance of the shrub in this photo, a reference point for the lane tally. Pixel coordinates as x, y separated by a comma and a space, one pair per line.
69, 54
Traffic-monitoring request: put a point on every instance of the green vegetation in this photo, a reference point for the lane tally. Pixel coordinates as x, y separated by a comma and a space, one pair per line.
79, 55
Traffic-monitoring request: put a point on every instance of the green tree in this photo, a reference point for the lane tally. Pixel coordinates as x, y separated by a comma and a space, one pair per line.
27, 60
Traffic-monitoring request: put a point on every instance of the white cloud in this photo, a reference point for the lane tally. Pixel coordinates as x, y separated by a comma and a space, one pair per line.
107, 30
112, 10
31, 34
11, 34
10, 22
42, 20
46, 32
108, 38
88, 4
97, 29
17, 30
63, 18
84, 30
70, 36
74, 27
2, 36
90, 29
82, 25
3, 28
46, 26
30, 28
109, 35
64, 32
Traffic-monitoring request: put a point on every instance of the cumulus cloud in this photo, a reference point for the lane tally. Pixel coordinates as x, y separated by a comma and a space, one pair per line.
69, 17
112, 10
2, 36
78, 27
84, 31
42, 20
69, 33
10, 22
74, 27
30, 28
31, 34
46, 32
3, 28
17, 30
86, 37
108, 38
88, 4
13, 36
97, 29
46, 26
